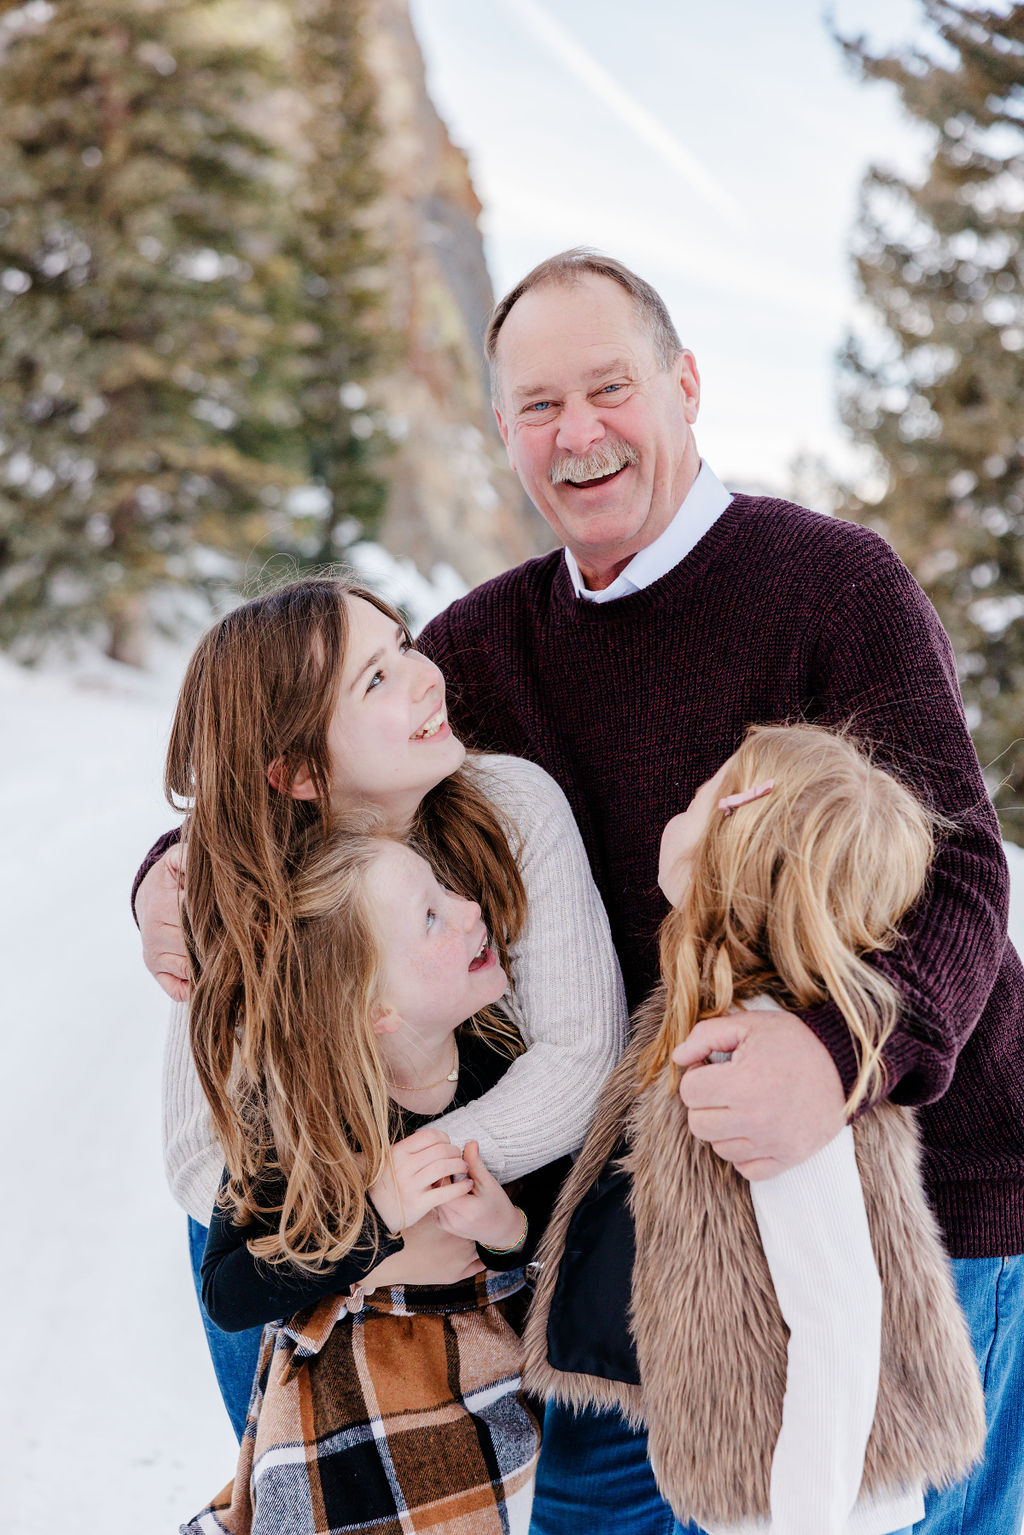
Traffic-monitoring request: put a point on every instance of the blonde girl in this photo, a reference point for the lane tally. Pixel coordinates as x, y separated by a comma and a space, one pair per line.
404, 1400
802, 1363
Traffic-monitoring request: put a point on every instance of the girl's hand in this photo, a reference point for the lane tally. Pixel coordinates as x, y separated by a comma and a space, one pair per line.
485, 1214
428, 1256
418, 1179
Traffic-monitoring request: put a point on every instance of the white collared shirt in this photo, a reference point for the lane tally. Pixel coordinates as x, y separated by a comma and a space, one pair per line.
705, 502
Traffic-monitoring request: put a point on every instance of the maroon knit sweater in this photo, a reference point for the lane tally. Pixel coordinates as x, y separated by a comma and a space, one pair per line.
777, 614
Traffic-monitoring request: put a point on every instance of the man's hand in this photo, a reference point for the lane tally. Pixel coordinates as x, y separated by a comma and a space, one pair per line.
156, 906
774, 1104
486, 1215
419, 1178
429, 1256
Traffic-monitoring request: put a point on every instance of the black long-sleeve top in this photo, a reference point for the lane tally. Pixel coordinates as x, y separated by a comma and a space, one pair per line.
241, 1291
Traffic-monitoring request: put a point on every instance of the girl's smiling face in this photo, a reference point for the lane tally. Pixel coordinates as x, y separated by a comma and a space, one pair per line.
438, 967
389, 738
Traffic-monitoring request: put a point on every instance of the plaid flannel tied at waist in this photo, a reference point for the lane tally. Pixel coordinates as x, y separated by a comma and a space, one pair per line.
403, 1417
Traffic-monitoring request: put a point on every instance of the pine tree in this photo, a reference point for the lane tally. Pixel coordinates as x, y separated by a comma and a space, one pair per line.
936, 384
341, 340
145, 296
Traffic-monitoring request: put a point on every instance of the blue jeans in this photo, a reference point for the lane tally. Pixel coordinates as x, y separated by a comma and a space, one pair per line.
991, 1501
594, 1477
234, 1354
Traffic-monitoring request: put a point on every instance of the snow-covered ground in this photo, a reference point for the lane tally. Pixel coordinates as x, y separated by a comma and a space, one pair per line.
111, 1418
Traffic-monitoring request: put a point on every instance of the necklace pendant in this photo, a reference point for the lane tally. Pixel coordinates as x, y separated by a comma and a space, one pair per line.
453, 1075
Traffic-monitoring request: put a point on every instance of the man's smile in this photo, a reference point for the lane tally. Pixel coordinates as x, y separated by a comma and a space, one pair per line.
601, 479
600, 464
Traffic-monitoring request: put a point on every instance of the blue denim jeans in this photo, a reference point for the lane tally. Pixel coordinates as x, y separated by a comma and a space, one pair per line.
594, 1478
234, 1354
991, 1501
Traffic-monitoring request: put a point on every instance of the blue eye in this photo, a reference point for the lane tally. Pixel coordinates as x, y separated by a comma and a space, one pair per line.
378, 676
431, 918
538, 406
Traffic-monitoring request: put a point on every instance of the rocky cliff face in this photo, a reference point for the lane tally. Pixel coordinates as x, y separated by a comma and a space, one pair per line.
454, 499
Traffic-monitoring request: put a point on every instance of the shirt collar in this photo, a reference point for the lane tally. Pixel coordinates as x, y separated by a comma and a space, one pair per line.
704, 503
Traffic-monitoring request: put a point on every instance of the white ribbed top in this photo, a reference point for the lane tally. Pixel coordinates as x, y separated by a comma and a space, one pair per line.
814, 1231
570, 1007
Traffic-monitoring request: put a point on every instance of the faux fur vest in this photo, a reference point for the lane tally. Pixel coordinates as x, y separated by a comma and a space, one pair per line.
710, 1338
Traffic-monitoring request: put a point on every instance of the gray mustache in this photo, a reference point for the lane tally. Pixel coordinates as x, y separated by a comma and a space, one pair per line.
606, 458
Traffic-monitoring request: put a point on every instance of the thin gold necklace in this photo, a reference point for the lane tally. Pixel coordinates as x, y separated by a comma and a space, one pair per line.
452, 1075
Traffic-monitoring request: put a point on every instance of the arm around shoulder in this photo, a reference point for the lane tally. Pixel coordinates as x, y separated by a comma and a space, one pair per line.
569, 997
884, 666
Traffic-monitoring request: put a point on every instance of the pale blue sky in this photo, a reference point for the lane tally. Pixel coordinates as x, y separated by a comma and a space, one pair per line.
717, 148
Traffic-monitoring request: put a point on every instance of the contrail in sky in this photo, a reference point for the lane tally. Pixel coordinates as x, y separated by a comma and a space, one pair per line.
561, 43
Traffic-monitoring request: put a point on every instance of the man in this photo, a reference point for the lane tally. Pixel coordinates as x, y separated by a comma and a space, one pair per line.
629, 665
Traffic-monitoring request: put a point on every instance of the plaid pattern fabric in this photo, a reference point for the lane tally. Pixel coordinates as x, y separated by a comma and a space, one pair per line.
404, 1418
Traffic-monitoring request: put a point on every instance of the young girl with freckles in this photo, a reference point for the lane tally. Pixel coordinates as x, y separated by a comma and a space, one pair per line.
298, 708
795, 1347
396, 1408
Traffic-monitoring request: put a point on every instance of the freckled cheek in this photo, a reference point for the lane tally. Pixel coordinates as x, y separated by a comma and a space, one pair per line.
428, 971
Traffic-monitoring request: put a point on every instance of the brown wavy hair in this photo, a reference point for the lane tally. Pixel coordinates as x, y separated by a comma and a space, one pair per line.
261, 689
792, 891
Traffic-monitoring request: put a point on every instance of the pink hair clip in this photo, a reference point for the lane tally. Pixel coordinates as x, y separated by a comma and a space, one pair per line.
732, 802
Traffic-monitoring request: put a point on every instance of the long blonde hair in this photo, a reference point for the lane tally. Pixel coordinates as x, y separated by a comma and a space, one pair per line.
790, 892
261, 689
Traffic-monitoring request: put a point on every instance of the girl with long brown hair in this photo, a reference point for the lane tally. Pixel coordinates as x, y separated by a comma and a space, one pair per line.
303, 705
405, 1401
796, 1349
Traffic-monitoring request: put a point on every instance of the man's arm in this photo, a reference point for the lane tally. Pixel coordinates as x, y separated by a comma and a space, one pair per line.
882, 664
886, 667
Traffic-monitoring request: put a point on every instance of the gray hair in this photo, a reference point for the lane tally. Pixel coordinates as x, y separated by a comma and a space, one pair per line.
570, 267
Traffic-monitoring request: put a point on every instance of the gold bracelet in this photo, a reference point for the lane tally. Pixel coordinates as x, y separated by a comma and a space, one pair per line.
515, 1245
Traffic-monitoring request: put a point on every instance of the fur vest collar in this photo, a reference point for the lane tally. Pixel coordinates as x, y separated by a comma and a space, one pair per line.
712, 1355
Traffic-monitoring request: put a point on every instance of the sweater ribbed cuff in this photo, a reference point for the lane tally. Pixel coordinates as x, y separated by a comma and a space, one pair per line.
828, 1024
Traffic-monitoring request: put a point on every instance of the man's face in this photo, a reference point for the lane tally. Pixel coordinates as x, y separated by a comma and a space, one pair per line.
597, 431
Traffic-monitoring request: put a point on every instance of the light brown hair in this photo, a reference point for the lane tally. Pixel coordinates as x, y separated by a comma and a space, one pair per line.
311, 1083
261, 688
790, 892
570, 267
